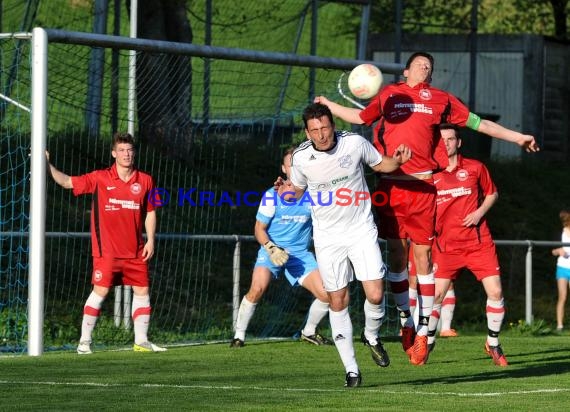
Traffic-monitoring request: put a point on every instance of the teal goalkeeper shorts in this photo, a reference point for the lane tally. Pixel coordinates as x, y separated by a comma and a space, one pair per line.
298, 265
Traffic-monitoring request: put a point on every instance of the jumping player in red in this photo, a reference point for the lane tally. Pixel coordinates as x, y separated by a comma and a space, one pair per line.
408, 113
120, 211
465, 193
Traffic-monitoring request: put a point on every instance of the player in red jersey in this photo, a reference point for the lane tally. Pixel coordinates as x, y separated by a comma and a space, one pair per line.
409, 112
465, 193
120, 211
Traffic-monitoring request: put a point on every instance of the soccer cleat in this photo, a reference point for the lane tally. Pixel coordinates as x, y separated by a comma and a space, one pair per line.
148, 347
448, 333
84, 348
430, 348
496, 352
379, 354
419, 352
316, 339
408, 336
237, 343
353, 380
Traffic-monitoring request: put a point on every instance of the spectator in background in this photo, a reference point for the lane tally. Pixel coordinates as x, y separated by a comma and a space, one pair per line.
562, 269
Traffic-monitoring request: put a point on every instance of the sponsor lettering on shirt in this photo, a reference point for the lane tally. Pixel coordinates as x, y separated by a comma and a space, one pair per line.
414, 107
286, 219
455, 192
125, 204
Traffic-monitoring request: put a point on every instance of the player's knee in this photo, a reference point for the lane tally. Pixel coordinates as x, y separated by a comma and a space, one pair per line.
255, 293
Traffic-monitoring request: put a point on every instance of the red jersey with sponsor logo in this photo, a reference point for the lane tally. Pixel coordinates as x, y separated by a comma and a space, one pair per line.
118, 210
460, 192
410, 115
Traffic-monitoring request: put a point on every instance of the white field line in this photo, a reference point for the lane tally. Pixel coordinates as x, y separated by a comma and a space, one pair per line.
259, 388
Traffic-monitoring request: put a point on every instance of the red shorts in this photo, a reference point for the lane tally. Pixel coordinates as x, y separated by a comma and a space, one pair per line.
406, 210
109, 272
480, 259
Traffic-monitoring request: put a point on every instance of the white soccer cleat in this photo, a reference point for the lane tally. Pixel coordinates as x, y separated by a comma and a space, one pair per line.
148, 347
84, 348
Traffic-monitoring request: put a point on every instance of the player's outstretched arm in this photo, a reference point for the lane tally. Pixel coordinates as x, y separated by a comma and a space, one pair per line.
390, 163
493, 129
59, 177
348, 114
150, 228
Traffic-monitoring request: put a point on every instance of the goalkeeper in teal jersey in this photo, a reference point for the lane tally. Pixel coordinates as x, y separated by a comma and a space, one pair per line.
284, 229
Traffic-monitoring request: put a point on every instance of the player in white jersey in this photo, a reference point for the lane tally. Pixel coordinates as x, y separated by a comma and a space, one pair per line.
283, 229
328, 173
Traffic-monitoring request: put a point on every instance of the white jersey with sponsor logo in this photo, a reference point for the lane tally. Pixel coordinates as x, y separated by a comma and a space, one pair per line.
335, 185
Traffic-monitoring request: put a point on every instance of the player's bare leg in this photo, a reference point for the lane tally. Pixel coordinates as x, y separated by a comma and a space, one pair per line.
317, 311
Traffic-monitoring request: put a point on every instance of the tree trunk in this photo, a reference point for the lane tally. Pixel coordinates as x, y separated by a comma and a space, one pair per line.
164, 82
560, 26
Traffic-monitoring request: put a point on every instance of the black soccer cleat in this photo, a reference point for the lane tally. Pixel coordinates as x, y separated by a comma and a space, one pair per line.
316, 339
353, 380
379, 354
237, 343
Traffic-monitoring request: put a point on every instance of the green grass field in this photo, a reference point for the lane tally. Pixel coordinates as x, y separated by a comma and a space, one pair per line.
288, 375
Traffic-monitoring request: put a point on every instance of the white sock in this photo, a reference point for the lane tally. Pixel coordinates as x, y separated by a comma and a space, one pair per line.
495, 316
373, 317
317, 312
341, 327
141, 317
245, 313
447, 309
426, 292
433, 321
399, 285
413, 293
91, 312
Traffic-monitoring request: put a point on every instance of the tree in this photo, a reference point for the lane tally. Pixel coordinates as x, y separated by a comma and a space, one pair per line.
164, 82
546, 17
560, 9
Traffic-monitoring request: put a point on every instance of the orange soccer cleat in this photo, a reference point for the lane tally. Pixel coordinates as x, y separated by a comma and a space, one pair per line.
496, 352
419, 352
448, 333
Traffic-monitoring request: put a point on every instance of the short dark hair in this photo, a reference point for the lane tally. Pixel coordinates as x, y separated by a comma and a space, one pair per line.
420, 54
122, 137
316, 111
565, 217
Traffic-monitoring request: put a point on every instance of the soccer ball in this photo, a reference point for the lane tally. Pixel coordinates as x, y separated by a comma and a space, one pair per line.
364, 81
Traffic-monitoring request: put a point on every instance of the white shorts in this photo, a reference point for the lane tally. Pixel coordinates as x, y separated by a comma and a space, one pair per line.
340, 258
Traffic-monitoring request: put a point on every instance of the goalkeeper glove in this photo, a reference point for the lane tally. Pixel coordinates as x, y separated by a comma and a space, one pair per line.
277, 254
